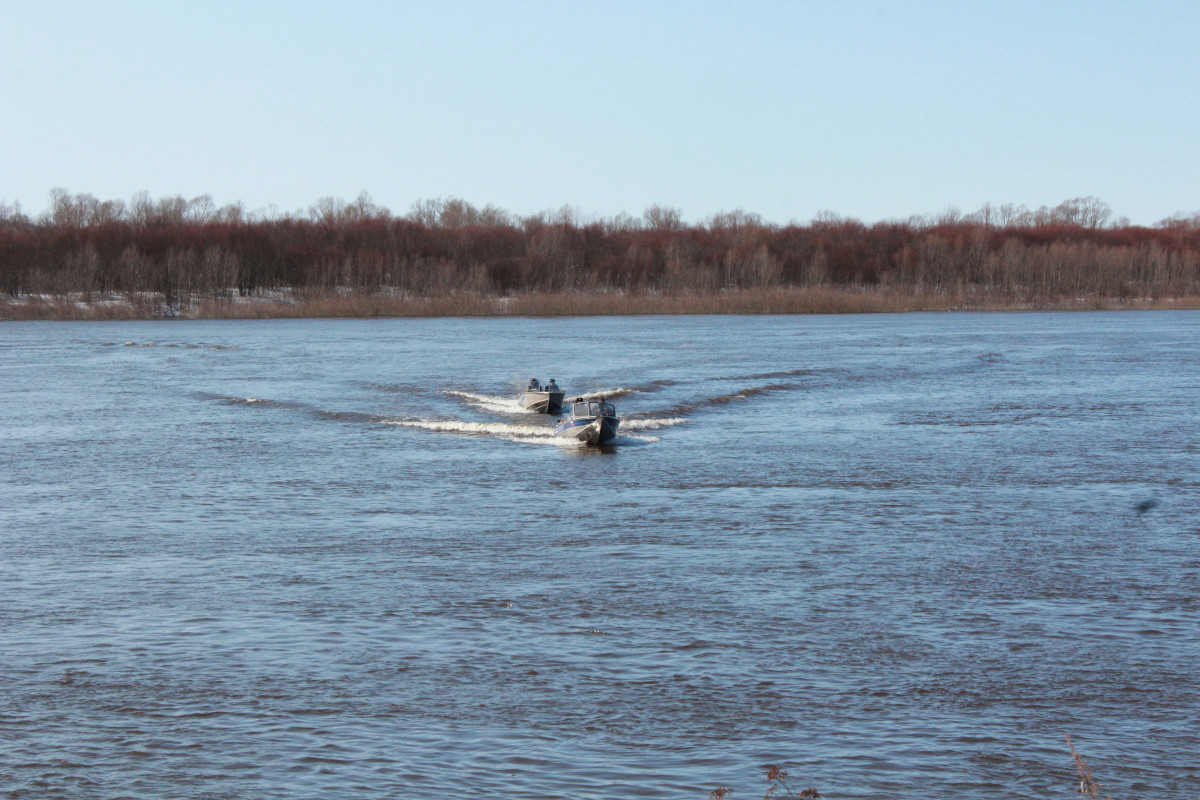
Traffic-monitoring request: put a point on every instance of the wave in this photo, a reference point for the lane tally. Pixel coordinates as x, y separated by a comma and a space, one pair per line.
650, 423
349, 416
251, 401
391, 388
490, 402
516, 432
681, 409
528, 434
523, 434
788, 373
340, 416
509, 405
607, 394
460, 426
654, 386
184, 345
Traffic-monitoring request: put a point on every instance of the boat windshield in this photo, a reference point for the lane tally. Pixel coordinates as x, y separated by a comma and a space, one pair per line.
593, 408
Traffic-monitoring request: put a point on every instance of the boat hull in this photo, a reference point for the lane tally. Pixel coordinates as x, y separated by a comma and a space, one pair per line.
596, 430
541, 402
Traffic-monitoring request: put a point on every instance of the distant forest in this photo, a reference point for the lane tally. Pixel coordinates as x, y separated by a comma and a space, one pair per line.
185, 252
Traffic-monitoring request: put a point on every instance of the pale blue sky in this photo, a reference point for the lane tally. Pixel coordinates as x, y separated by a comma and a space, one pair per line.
874, 110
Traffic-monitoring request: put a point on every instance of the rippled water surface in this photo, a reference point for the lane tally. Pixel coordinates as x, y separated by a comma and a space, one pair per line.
902, 555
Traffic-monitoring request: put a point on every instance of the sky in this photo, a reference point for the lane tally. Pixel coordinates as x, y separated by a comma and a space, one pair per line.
872, 110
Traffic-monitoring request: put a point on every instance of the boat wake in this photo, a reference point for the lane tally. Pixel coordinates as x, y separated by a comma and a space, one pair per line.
509, 405
182, 345
631, 429
682, 409
253, 401
789, 373
487, 428
650, 423
527, 434
490, 402
607, 394
654, 386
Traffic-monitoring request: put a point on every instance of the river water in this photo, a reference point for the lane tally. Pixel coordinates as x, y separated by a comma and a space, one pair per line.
900, 555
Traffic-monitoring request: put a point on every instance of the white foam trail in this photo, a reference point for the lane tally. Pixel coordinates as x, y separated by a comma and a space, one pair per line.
490, 402
605, 393
651, 424
527, 434
488, 428
558, 441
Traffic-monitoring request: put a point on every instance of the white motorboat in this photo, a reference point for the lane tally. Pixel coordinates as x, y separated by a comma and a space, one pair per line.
590, 421
546, 399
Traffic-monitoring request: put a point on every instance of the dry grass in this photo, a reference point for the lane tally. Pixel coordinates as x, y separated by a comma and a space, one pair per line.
327, 304
742, 301
78, 307
812, 300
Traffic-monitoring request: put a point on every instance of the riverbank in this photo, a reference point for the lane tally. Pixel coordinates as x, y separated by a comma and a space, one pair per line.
284, 304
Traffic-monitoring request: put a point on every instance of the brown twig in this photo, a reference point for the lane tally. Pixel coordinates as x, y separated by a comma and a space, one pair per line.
1088, 786
778, 777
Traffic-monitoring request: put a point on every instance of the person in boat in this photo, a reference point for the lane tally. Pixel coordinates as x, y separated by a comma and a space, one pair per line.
552, 386
533, 386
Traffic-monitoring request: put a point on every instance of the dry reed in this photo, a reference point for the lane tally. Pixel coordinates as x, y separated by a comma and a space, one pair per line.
312, 303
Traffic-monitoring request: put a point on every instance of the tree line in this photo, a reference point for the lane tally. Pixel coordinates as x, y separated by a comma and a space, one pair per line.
187, 250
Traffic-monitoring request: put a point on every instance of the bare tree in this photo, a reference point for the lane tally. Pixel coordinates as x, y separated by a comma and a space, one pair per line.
1086, 212
1012, 214
735, 220
454, 212
457, 213
426, 212
663, 218
12, 216
1180, 221
233, 213
201, 209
